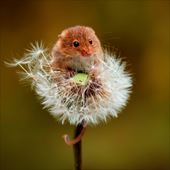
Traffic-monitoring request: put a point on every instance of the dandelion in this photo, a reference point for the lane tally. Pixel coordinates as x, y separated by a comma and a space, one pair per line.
81, 98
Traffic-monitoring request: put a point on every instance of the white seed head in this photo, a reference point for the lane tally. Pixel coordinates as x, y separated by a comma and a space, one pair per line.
101, 97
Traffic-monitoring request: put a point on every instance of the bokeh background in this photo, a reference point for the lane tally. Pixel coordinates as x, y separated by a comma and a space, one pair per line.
139, 138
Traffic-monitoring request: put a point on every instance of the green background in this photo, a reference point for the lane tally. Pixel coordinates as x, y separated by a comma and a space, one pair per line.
139, 137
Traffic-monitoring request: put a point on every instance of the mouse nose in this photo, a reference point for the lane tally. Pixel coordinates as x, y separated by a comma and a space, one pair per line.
86, 52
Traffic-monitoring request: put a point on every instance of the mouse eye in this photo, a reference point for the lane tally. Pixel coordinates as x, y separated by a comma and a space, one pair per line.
76, 43
90, 41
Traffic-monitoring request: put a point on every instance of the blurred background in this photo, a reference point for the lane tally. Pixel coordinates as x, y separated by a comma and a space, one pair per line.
138, 139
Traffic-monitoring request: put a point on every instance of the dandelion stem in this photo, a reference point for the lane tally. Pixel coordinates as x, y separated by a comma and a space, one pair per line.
76, 142
77, 149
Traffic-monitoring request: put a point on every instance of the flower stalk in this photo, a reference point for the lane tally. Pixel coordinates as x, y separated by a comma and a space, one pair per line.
76, 142
77, 148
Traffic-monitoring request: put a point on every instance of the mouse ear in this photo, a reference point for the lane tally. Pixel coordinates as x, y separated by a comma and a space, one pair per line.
62, 34
90, 29
59, 36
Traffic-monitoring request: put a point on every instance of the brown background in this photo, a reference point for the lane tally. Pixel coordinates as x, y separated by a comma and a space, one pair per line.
139, 137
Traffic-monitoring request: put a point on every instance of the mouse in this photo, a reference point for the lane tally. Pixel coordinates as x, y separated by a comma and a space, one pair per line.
77, 50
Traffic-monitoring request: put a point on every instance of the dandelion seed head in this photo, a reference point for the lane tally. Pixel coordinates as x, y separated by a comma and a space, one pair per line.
81, 97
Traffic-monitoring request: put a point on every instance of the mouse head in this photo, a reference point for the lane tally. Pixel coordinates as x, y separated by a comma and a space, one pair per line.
79, 41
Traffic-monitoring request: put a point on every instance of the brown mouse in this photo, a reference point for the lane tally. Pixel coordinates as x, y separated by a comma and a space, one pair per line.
77, 49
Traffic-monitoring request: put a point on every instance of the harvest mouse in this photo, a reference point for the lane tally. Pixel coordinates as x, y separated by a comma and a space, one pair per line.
77, 49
